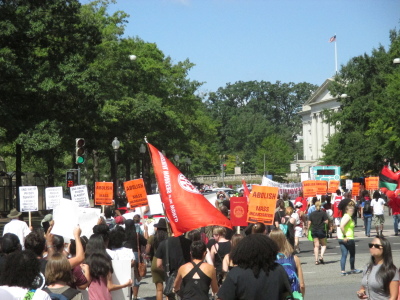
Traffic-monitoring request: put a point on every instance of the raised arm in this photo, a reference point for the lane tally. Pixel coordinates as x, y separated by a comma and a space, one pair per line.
113, 287
80, 254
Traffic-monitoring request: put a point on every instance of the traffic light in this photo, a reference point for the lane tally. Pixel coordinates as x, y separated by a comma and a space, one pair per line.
70, 179
80, 150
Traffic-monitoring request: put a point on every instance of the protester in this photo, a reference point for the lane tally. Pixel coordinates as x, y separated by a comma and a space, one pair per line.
134, 240
158, 274
280, 214
259, 228
9, 244
337, 213
311, 208
219, 250
298, 229
366, 212
36, 242
378, 204
59, 277
81, 279
285, 257
318, 220
257, 275
19, 228
328, 207
98, 265
108, 214
194, 279
18, 277
290, 222
346, 240
394, 204
227, 263
380, 277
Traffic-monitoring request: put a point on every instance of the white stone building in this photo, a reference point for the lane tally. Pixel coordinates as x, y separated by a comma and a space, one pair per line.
315, 131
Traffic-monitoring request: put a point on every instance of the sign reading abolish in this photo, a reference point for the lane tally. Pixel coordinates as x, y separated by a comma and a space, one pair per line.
103, 194
238, 207
372, 183
309, 188
356, 189
136, 193
262, 203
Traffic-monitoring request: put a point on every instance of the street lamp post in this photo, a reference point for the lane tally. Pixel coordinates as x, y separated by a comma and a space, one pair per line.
176, 158
115, 144
188, 163
243, 166
142, 151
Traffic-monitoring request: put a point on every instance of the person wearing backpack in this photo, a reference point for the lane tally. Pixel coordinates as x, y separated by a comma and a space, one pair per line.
366, 212
291, 263
58, 277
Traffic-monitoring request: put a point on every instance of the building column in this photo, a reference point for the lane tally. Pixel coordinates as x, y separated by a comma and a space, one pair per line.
314, 135
320, 129
326, 131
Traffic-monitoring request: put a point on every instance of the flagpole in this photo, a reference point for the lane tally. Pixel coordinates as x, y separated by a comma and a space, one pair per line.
336, 67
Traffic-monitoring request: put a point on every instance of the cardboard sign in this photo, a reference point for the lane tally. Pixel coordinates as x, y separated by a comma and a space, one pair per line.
103, 194
333, 186
28, 198
372, 183
321, 187
136, 192
356, 189
122, 273
309, 188
238, 206
53, 197
262, 203
79, 194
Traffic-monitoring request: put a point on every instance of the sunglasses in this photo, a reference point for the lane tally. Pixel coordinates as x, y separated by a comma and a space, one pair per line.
377, 246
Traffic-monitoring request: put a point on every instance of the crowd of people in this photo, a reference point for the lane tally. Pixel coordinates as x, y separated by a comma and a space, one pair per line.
257, 262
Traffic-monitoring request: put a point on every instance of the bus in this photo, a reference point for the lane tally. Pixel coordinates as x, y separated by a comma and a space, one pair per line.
325, 173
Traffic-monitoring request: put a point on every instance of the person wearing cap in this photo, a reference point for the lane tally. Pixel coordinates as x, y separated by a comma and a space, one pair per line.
19, 228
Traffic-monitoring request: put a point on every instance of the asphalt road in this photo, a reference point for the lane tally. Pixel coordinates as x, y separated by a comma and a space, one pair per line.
324, 281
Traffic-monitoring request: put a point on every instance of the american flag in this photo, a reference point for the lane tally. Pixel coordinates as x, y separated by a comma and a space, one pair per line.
332, 39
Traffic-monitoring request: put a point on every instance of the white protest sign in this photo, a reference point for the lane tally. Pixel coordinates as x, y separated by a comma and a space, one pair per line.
53, 196
349, 184
155, 204
122, 273
28, 198
65, 217
79, 194
87, 219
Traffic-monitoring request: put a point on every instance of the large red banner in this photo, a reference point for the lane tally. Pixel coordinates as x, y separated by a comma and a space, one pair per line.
185, 207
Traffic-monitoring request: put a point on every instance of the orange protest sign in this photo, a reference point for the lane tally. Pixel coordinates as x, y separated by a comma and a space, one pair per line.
103, 194
262, 203
321, 186
333, 186
136, 193
372, 183
356, 189
309, 188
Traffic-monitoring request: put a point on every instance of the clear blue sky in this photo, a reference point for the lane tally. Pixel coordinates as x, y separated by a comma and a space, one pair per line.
270, 40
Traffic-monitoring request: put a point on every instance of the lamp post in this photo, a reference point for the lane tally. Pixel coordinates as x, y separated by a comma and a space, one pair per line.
142, 151
115, 144
243, 166
176, 158
188, 163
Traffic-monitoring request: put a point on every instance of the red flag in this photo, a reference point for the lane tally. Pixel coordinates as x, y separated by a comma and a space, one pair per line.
185, 207
245, 190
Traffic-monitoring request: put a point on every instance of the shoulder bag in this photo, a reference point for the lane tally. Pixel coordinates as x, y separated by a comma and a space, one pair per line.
169, 282
142, 267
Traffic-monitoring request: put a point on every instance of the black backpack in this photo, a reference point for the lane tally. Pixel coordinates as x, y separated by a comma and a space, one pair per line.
367, 207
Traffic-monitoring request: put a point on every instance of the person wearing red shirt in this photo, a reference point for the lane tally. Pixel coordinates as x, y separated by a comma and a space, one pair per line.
337, 213
394, 204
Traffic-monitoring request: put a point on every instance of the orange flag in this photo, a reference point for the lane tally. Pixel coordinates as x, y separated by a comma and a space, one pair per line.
185, 207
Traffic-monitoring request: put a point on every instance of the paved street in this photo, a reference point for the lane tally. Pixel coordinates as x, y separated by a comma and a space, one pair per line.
325, 281
322, 281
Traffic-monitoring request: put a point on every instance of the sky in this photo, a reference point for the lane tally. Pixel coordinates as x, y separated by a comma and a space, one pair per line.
269, 40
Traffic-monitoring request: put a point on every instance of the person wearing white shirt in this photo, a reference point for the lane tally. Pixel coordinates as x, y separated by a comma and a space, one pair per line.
19, 228
378, 205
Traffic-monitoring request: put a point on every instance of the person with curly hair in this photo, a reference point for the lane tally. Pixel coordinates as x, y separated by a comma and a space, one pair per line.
257, 275
20, 272
227, 263
380, 277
